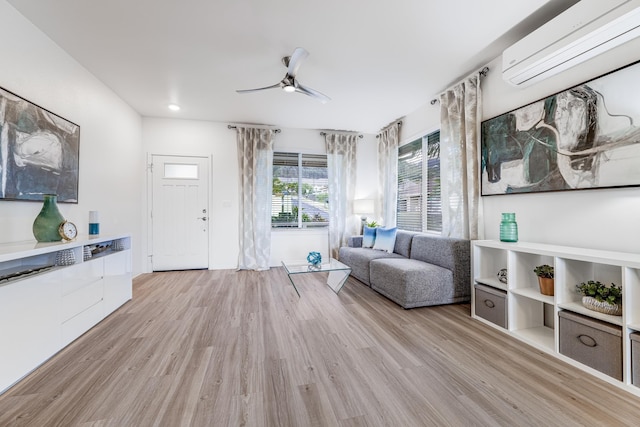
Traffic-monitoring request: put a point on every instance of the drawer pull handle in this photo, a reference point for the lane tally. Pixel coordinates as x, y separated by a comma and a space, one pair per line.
587, 340
489, 303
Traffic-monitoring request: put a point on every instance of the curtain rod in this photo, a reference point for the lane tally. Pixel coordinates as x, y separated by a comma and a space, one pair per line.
236, 127
325, 134
382, 130
483, 73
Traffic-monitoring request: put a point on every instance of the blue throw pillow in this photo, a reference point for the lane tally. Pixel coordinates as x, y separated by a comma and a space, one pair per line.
385, 239
368, 237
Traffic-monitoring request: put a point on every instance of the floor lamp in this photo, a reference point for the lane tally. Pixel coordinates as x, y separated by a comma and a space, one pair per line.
363, 207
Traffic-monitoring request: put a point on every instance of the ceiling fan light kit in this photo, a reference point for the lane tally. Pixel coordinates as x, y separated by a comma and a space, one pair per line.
289, 83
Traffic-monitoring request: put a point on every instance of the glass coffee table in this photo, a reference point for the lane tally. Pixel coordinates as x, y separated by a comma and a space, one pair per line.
338, 272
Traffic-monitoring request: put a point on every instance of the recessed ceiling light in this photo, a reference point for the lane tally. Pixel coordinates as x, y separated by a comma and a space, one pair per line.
174, 107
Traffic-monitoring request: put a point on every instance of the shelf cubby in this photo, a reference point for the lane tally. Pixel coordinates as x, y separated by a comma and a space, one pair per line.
492, 261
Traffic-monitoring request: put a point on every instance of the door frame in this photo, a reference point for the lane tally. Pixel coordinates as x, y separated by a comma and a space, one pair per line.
147, 222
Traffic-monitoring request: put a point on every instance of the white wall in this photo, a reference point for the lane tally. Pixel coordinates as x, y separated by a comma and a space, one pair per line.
110, 133
294, 245
208, 139
202, 138
604, 218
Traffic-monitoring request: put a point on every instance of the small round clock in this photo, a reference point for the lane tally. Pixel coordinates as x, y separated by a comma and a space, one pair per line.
68, 230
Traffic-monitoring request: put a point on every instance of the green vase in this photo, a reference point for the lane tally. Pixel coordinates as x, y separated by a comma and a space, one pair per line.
508, 228
45, 226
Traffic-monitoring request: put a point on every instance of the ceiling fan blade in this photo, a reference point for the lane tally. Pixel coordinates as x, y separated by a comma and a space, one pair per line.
299, 55
312, 93
259, 89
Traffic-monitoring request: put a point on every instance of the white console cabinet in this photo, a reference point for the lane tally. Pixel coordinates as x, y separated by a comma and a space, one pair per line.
44, 306
533, 317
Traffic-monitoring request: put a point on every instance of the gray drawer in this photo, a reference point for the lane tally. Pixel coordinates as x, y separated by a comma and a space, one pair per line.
635, 358
491, 304
592, 342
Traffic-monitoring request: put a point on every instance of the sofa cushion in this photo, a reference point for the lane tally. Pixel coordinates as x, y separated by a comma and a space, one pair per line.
385, 239
412, 283
403, 243
354, 242
359, 258
450, 253
368, 237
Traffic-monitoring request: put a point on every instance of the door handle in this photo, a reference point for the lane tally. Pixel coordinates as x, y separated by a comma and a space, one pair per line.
204, 218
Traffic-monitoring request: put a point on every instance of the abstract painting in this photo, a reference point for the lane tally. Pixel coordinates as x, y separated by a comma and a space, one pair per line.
39, 152
584, 137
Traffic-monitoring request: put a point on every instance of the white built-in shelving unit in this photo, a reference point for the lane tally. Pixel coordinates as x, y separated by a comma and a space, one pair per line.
532, 317
44, 305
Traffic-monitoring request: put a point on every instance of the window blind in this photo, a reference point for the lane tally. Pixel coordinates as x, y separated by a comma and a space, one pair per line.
410, 190
418, 195
434, 199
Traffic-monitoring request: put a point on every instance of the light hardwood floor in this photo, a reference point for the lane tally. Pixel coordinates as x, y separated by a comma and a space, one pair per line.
226, 348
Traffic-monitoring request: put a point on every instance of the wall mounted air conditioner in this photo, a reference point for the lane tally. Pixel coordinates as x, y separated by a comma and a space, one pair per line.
587, 29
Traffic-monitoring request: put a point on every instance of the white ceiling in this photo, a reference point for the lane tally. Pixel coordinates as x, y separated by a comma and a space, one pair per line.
377, 60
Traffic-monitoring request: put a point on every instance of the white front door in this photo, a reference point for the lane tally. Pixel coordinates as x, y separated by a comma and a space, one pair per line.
180, 213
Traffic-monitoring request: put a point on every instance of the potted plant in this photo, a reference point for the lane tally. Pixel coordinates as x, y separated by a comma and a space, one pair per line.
545, 279
599, 297
372, 224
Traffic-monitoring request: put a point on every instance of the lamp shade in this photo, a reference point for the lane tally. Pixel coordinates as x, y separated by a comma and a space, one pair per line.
363, 206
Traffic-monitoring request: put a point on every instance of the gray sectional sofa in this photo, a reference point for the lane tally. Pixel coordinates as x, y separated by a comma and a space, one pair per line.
423, 269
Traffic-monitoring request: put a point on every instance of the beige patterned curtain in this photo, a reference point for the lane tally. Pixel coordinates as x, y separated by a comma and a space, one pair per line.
387, 200
255, 165
341, 168
460, 114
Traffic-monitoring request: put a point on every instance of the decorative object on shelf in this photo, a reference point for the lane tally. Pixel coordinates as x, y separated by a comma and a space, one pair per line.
44, 145
508, 227
599, 297
529, 140
65, 257
94, 223
86, 253
502, 275
314, 258
45, 226
546, 281
99, 248
68, 230
117, 245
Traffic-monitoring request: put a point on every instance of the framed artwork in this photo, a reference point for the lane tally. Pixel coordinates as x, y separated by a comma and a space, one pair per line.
39, 152
584, 137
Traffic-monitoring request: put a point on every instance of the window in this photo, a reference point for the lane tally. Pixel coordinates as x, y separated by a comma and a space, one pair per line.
300, 195
415, 194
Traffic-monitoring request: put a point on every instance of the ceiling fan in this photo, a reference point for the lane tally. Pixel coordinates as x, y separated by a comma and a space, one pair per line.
289, 83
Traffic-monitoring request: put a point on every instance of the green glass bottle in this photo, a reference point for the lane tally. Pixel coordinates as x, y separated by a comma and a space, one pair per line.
508, 228
45, 226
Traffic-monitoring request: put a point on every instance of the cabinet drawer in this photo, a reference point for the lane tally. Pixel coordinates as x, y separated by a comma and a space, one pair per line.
81, 323
79, 275
81, 299
592, 342
491, 304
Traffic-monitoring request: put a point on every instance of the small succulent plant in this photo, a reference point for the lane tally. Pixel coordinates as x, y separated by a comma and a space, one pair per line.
601, 292
544, 271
